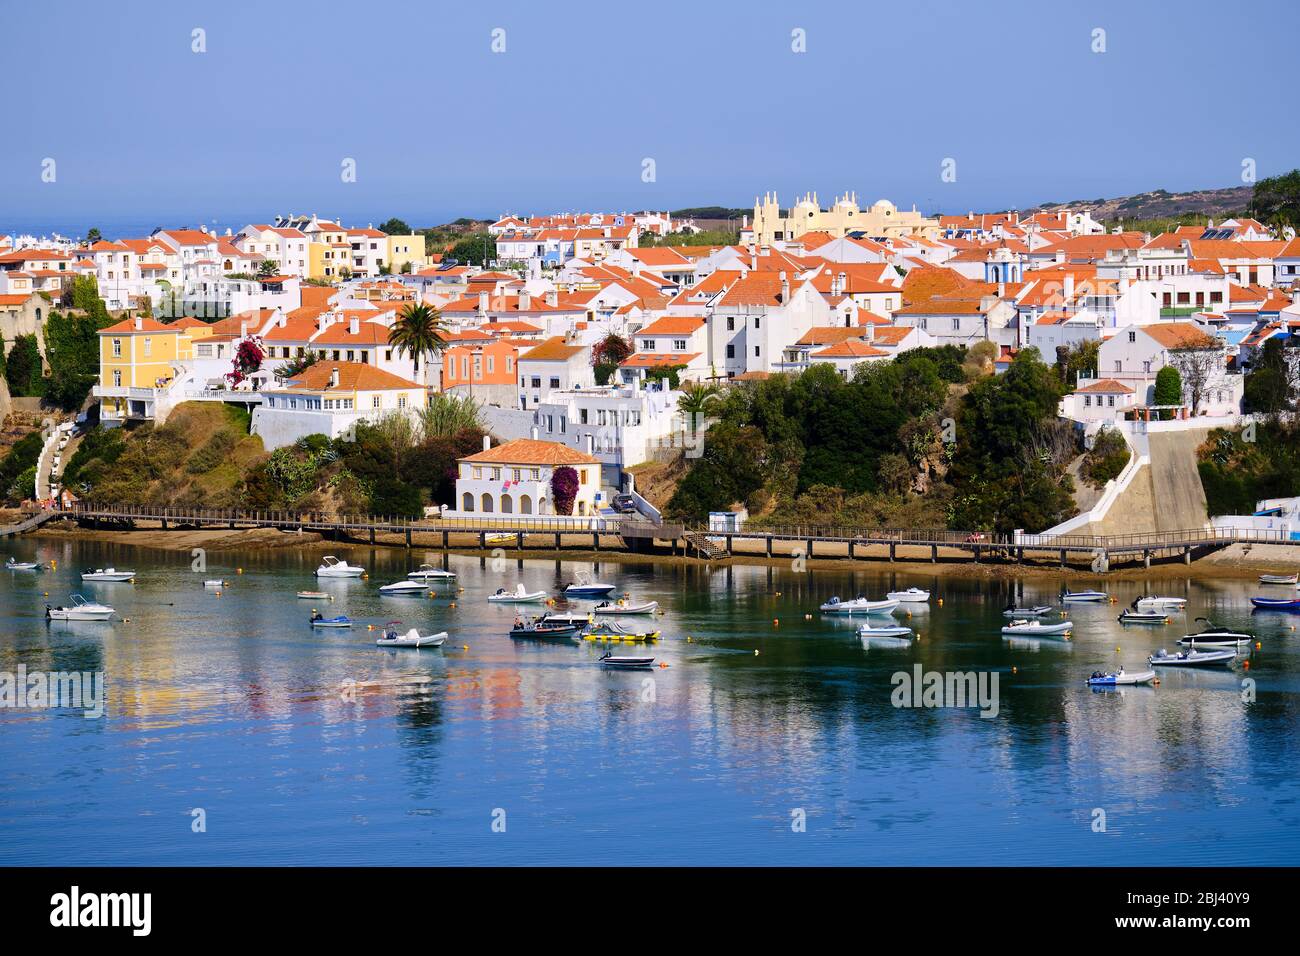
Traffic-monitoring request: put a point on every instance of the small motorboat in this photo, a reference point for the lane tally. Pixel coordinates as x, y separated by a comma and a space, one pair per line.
111, 575
622, 606
1278, 578
315, 596
611, 631
1024, 613
1276, 604
332, 567
1191, 658
584, 587
1214, 636
1076, 596
404, 587
1037, 628
215, 584
884, 630
566, 617
428, 572
412, 638
859, 605
517, 596
500, 537
12, 565
544, 630
628, 663
910, 596
1128, 616
1149, 604
342, 620
79, 610
1120, 678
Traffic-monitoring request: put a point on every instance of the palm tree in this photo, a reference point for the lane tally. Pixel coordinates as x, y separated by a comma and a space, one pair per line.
418, 332
696, 400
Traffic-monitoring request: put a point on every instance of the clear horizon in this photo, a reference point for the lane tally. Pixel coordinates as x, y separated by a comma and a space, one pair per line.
440, 126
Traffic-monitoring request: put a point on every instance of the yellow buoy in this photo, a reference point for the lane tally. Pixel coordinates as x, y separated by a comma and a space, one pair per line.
239, 570
1015, 670
940, 602
756, 652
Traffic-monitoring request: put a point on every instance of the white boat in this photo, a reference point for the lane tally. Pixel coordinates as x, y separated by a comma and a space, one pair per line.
1024, 613
1120, 678
315, 596
1278, 578
1032, 628
628, 663
404, 587
428, 572
1191, 658
342, 620
12, 565
1152, 604
624, 607
79, 610
107, 574
1084, 596
566, 617
859, 605
910, 596
332, 567
517, 596
1128, 616
412, 638
884, 630
216, 584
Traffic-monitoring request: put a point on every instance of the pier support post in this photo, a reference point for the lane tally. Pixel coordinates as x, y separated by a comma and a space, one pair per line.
519, 541
728, 544
851, 554
557, 541
444, 541
482, 539
1062, 557
977, 554
893, 552
595, 541
1020, 555
934, 554
164, 524
1146, 559
769, 545
408, 538
810, 548
372, 534
1187, 555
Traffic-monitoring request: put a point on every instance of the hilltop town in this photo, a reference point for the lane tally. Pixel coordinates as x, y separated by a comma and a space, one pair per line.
633, 350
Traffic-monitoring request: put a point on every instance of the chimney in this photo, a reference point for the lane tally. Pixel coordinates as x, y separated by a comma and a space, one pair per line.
482, 302
334, 378
533, 433
323, 321
553, 299
525, 300
354, 326
843, 283
753, 260
785, 289
487, 442
1069, 288
139, 323
590, 441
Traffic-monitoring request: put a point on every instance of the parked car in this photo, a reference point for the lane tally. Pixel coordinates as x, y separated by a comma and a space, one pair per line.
624, 504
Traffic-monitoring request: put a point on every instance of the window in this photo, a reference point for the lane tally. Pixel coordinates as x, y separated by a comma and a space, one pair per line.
537, 381
731, 351
956, 325
555, 383
1110, 400
582, 416
758, 321
388, 355
478, 472
647, 345
756, 352
117, 348
374, 401
1132, 336
731, 323
1087, 401
679, 345
1119, 365
117, 378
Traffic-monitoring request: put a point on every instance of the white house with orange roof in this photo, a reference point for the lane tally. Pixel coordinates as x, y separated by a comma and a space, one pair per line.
1134, 356
330, 398
1100, 400
47, 269
555, 364
845, 356
757, 317
514, 479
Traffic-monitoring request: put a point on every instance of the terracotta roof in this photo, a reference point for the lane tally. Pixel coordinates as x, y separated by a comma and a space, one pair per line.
127, 327
853, 348
1174, 335
1105, 386
658, 359
829, 335
553, 350
673, 325
530, 451
353, 376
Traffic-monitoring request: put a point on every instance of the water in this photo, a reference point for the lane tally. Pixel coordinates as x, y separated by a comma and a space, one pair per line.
233, 705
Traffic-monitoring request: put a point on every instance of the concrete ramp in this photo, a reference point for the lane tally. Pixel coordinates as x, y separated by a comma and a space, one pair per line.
1178, 500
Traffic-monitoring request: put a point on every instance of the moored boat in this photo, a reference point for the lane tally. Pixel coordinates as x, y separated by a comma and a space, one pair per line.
884, 630
859, 605
545, 630
1149, 603
1191, 658
12, 565
1120, 678
79, 610
108, 575
1214, 636
623, 606
612, 631
428, 572
910, 596
1079, 596
341, 620
628, 663
584, 587
213, 584
404, 587
1024, 613
332, 567
315, 596
412, 638
518, 596
1278, 578
1128, 616
1276, 604
1037, 628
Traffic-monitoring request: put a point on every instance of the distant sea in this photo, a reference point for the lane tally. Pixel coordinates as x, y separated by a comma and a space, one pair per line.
139, 225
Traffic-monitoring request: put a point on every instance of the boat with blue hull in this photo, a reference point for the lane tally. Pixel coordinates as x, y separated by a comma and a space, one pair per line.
1276, 604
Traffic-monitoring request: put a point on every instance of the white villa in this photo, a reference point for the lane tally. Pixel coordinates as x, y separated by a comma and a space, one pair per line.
515, 479
331, 398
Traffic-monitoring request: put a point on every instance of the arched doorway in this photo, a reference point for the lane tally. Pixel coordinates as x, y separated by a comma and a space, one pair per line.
525, 505
486, 502
467, 502
507, 505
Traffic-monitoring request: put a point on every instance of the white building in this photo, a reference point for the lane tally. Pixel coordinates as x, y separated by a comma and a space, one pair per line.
515, 479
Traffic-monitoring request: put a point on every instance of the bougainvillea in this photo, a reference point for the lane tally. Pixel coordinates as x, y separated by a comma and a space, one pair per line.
248, 359
564, 489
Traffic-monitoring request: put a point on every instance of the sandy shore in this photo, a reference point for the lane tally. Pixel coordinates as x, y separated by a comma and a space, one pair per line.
1234, 562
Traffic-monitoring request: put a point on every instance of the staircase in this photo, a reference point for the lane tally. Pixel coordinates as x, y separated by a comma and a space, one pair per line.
703, 546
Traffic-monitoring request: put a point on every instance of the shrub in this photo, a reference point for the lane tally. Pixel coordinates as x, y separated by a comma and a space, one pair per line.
564, 489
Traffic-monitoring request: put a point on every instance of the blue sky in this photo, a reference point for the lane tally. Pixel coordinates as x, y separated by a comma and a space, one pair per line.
143, 129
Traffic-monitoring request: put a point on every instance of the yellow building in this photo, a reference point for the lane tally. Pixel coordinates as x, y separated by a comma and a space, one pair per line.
404, 249
844, 217
136, 359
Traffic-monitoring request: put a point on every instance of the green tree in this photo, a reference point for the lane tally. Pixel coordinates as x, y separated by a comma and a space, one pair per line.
1268, 387
477, 249
1275, 201
267, 268
697, 400
607, 355
1168, 390
395, 227
419, 333
93, 235
23, 367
